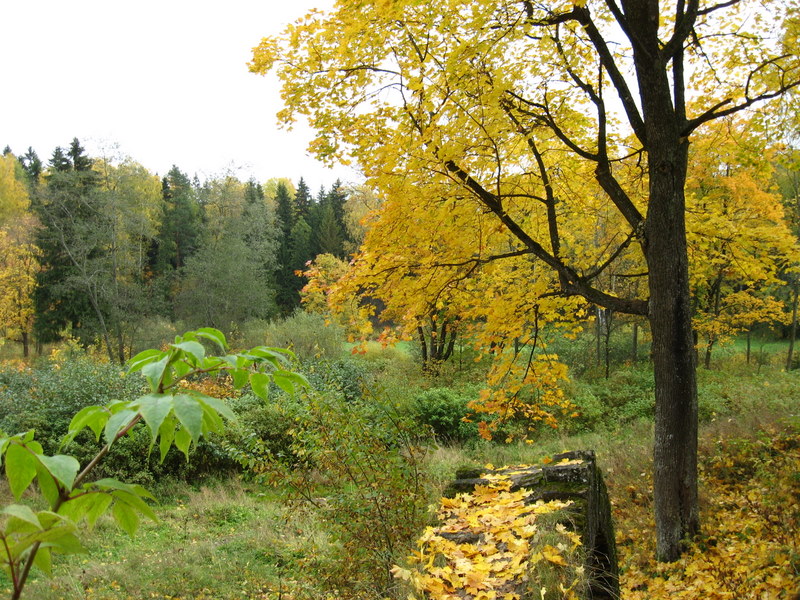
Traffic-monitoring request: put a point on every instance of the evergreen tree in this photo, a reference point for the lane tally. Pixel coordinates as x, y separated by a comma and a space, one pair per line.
32, 165
260, 229
182, 224
60, 162
66, 208
285, 294
329, 236
302, 200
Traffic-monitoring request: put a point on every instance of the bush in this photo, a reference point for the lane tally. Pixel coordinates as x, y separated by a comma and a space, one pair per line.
443, 410
263, 433
47, 397
307, 335
346, 376
362, 470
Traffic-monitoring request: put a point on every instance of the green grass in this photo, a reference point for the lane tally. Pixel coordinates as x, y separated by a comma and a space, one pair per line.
230, 540
220, 541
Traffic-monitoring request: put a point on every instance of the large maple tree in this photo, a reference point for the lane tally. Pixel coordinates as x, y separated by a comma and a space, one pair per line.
515, 125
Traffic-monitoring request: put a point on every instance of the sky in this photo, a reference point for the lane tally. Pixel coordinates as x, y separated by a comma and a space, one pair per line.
162, 81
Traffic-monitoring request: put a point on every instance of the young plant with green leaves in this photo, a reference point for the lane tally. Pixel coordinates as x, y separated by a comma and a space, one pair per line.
171, 412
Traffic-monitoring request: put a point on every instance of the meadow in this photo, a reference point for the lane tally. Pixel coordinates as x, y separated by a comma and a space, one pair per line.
320, 494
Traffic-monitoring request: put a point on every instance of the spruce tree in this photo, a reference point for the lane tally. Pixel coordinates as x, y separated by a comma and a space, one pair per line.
302, 200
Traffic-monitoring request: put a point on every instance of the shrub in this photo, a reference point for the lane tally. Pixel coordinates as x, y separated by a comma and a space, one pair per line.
345, 376
307, 334
443, 410
47, 397
362, 470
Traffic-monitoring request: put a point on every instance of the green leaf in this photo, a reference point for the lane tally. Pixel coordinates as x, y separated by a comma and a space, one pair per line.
215, 335
62, 467
211, 420
117, 423
142, 359
126, 517
241, 377
190, 414
154, 408
93, 417
154, 371
23, 513
137, 503
218, 405
43, 561
47, 485
166, 435
259, 382
183, 440
195, 349
97, 505
68, 544
288, 381
20, 468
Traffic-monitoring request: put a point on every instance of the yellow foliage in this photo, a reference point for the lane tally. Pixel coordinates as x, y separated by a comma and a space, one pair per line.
750, 545
18, 267
739, 240
501, 526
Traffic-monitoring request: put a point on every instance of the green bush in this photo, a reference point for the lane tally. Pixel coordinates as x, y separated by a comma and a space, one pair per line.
307, 335
345, 376
45, 399
263, 432
443, 410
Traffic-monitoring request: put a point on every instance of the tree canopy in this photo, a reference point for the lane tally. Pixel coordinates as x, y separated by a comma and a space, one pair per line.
540, 153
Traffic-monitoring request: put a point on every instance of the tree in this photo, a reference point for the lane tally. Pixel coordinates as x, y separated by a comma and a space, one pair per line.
98, 221
181, 224
19, 262
739, 242
67, 208
13, 194
284, 274
302, 200
32, 165
516, 108
210, 275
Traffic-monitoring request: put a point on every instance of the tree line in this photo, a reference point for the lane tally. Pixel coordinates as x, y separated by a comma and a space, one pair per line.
95, 247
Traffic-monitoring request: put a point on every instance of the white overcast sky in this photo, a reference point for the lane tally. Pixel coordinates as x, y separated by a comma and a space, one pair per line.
165, 80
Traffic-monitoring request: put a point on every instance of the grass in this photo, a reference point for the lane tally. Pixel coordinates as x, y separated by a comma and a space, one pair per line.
227, 540
220, 541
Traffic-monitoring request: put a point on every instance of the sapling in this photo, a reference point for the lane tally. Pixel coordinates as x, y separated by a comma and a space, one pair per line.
173, 415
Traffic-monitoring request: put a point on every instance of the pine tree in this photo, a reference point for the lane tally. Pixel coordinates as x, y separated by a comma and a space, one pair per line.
32, 165
285, 286
302, 200
65, 208
182, 225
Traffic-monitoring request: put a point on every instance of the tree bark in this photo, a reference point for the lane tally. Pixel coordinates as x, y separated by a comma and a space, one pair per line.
675, 443
793, 332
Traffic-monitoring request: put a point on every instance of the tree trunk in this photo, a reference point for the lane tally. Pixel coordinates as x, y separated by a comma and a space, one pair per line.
793, 332
709, 348
749, 332
635, 344
670, 313
25, 344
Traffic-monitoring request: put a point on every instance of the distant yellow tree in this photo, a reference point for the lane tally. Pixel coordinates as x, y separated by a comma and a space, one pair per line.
739, 240
18, 267
13, 195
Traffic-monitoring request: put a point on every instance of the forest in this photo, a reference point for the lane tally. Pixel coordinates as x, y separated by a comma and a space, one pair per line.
596, 249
